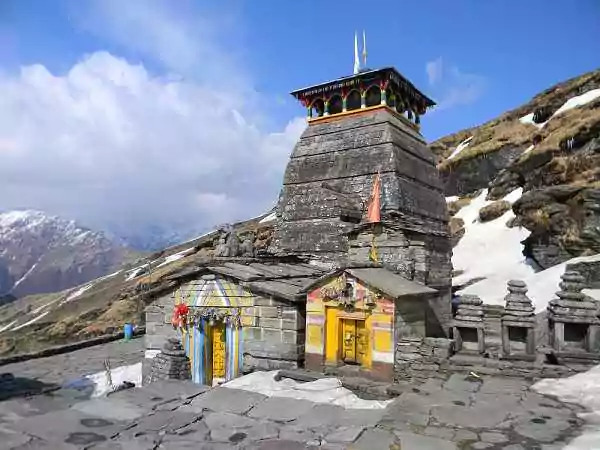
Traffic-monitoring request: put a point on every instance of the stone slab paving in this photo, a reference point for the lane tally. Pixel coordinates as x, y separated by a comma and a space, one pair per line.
71, 365
458, 414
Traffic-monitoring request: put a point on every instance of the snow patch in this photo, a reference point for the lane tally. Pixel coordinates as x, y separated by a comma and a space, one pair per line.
452, 198
35, 319
131, 373
577, 101
490, 250
324, 390
269, 218
528, 149
493, 251
134, 272
573, 102
20, 280
8, 326
528, 120
584, 390
77, 293
176, 256
464, 144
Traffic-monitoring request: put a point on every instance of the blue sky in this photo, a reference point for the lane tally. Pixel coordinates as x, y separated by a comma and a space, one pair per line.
186, 103
510, 49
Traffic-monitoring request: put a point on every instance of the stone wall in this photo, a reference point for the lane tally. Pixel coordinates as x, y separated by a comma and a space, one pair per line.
346, 154
158, 330
273, 334
418, 257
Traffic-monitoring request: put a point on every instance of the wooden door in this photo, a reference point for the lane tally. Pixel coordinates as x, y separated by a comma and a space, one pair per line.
219, 357
348, 340
355, 342
362, 343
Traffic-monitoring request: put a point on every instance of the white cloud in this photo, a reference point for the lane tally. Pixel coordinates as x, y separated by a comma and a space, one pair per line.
434, 70
121, 147
109, 144
451, 86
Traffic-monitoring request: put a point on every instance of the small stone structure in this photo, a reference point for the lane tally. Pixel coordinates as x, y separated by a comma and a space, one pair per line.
468, 325
244, 314
171, 363
573, 318
354, 316
518, 322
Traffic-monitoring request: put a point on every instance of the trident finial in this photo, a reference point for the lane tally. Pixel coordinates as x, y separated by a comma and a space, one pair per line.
364, 52
356, 59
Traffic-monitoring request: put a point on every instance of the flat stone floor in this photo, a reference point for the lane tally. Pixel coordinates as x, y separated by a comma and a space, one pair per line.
491, 413
67, 366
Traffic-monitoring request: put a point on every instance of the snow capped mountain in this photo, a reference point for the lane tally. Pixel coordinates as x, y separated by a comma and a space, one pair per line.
44, 253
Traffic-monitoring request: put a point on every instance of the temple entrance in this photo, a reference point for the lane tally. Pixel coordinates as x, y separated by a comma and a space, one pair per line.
216, 353
347, 339
354, 341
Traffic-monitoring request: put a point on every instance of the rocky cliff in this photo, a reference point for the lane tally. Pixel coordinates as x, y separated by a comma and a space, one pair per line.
550, 147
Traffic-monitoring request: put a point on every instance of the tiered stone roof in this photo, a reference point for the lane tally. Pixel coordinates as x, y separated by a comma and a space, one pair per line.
519, 310
572, 305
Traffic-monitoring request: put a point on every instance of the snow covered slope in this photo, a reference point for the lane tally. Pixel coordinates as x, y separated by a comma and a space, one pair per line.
43, 253
493, 252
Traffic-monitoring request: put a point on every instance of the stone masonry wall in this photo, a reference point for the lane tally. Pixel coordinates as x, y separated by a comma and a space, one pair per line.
273, 334
346, 154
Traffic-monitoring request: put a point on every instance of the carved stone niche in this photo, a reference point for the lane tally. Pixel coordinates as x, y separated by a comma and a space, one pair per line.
518, 323
468, 325
573, 318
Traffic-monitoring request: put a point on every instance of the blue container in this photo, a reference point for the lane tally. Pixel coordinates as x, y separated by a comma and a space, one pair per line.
128, 330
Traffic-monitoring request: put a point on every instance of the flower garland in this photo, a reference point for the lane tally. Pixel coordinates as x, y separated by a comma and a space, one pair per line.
184, 318
180, 315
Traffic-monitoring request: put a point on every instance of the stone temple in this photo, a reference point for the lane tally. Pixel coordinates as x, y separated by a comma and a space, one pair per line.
359, 261
361, 126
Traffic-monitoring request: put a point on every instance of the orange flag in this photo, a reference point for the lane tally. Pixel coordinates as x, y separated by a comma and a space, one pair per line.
374, 210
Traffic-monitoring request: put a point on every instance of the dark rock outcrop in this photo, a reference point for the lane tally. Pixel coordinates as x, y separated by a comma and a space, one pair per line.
564, 222
468, 175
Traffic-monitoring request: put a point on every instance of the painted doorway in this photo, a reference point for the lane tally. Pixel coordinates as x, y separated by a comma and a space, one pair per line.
355, 341
215, 350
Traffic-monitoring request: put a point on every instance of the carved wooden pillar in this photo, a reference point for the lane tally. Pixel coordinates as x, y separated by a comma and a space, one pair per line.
383, 87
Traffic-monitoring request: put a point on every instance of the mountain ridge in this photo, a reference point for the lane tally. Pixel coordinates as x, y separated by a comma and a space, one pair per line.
42, 253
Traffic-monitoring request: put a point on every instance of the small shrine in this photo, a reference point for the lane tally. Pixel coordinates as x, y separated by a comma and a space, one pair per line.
171, 363
355, 315
518, 322
232, 316
468, 325
573, 318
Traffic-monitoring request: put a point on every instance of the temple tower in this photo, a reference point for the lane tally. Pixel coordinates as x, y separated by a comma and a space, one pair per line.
361, 127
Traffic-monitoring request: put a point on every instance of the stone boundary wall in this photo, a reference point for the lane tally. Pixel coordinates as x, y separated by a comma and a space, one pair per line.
67, 348
418, 359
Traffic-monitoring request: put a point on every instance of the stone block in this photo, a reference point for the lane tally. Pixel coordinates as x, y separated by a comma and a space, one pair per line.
267, 322
248, 321
250, 311
291, 337
268, 312
281, 409
251, 333
272, 335
264, 301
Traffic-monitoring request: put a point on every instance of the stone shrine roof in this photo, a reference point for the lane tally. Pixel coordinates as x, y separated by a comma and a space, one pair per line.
382, 279
287, 280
